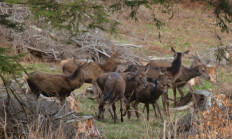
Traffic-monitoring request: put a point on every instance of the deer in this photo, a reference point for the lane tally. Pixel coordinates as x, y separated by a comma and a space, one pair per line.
95, 69
197, 68
56, 85
113, 88
174, 70
132, 80
149, 93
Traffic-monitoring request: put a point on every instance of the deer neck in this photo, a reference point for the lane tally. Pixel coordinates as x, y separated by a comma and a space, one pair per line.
176, 65
75, 79
109, 66
189, 73
155, 93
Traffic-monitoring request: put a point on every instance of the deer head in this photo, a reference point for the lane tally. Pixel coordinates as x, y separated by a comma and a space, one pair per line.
179, 54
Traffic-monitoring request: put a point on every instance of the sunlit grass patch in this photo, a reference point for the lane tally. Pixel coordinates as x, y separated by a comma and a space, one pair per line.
224, 75
45, 67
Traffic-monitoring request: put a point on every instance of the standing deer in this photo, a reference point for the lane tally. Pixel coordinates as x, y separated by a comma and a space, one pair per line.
197, 68
174, 70
149, 93
56, 85
95, 69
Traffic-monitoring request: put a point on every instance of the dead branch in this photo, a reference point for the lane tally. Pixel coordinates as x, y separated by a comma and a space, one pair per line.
5, 121
65, 115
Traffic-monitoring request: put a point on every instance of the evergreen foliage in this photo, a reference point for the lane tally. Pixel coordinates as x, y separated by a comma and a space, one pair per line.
9, 64
79, 16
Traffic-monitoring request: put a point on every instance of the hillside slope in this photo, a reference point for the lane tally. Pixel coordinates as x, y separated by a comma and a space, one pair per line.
192, 27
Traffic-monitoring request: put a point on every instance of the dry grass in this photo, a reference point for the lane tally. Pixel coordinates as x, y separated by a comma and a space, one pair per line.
190, 28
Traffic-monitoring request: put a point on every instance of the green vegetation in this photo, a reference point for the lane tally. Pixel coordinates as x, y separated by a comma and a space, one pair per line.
45, 67
9, 64
133, 128
79, 16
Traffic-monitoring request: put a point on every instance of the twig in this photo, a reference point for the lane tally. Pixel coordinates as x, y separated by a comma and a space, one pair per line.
164, 130
128, 45
5, 84
16, 97
65, 115
104, 53
54, 53
5, 122
24, 70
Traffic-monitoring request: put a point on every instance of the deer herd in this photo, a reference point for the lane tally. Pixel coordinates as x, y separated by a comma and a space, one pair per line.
136, 84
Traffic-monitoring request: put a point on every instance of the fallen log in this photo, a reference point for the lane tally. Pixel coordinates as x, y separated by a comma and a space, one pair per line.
203, 100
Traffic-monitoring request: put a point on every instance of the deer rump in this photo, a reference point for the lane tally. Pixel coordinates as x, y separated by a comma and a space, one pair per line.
113, 88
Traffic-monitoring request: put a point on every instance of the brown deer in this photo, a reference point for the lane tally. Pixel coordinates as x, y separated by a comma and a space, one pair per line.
174, 70
149, 93
56, 85
113, 88
95, 69
197, 68
132, 80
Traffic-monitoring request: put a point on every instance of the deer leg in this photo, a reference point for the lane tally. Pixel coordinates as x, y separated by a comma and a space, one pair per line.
128, 113
121, 110
127, 106
131, 98
164, 103
147, 107
167, 102
199, 81
181, 91
114, 110
110, 113
174, 93
156, 104
101, 111
144, 108
153, 105
135, 106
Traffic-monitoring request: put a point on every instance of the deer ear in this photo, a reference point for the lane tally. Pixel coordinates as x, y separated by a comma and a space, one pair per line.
173, 50
185, 52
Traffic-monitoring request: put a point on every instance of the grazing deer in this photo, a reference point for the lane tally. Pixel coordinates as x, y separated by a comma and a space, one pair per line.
132, 80
113, 88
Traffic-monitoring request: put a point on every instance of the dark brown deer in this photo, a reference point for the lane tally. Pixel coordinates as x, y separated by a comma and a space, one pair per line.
149, 93
132, 80
197, 68
95, 69
174, 70
56, 85
113, 88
